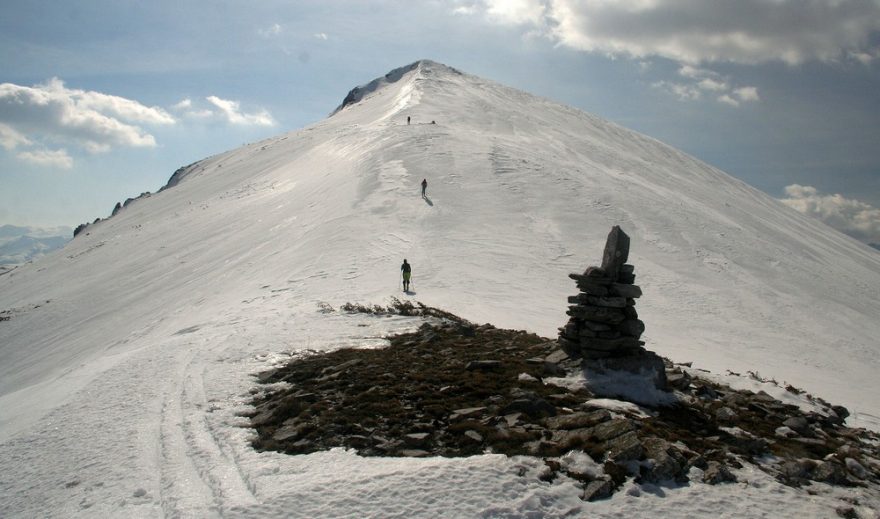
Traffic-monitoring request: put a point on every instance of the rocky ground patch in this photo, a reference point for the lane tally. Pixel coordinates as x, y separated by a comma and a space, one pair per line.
453, 388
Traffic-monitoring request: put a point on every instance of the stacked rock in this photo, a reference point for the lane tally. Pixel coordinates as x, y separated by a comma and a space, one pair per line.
604, 323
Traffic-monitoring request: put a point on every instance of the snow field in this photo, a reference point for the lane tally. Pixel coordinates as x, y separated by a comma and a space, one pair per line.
121, 395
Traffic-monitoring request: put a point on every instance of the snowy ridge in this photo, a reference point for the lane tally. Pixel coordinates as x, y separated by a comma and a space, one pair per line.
156, 317
358, 93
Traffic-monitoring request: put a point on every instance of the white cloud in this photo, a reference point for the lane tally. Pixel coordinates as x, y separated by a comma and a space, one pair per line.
696, 31
727, 99
48, 158
321, 36
737, 96
115, 106
747, 94
52, 113
694, 72
516, 12
685, 92
713, 85
864, 58
270, 31
231, 112
852, 217
223, 110
185, 108
699, 81
11, 139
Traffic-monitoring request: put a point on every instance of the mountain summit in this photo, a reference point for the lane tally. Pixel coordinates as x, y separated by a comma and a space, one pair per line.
426, 67
148, 318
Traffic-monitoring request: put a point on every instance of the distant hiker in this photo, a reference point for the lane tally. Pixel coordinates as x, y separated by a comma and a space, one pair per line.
406, 269
407, 119
424, 186
433, 122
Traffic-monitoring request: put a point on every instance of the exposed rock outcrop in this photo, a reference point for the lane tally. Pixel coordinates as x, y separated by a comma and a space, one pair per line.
418, 398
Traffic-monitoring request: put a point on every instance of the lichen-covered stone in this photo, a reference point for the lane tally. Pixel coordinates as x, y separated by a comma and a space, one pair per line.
717, 473
599, 489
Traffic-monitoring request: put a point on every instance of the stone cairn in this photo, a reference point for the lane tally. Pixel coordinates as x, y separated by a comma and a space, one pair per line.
604, 328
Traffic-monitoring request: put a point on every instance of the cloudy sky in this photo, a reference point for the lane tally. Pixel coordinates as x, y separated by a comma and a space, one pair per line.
103, 99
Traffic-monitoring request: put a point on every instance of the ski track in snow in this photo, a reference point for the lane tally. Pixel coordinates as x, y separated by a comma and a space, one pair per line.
129, 359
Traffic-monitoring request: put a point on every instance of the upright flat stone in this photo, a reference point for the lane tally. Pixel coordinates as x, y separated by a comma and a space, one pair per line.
616, 251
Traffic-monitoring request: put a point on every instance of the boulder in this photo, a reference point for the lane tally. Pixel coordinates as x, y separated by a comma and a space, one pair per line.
717, 473
725, 414
798, 424
855, 468
797, 470
598, 489
829, 471
570, 438
680, 381
625, 447
611, 429
663, 463
841, 412
556, 357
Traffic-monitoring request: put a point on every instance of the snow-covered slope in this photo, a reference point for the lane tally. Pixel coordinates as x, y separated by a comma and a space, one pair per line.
128, 352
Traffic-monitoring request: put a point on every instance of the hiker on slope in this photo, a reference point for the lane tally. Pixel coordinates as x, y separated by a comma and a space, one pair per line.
406, 269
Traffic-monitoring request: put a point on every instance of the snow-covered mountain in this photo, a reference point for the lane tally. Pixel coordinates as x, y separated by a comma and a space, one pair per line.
22, 244
129, 352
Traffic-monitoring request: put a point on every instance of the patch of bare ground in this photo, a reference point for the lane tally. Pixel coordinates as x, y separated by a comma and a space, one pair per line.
453, 388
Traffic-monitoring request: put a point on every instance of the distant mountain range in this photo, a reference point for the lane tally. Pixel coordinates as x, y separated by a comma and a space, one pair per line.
22, 244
